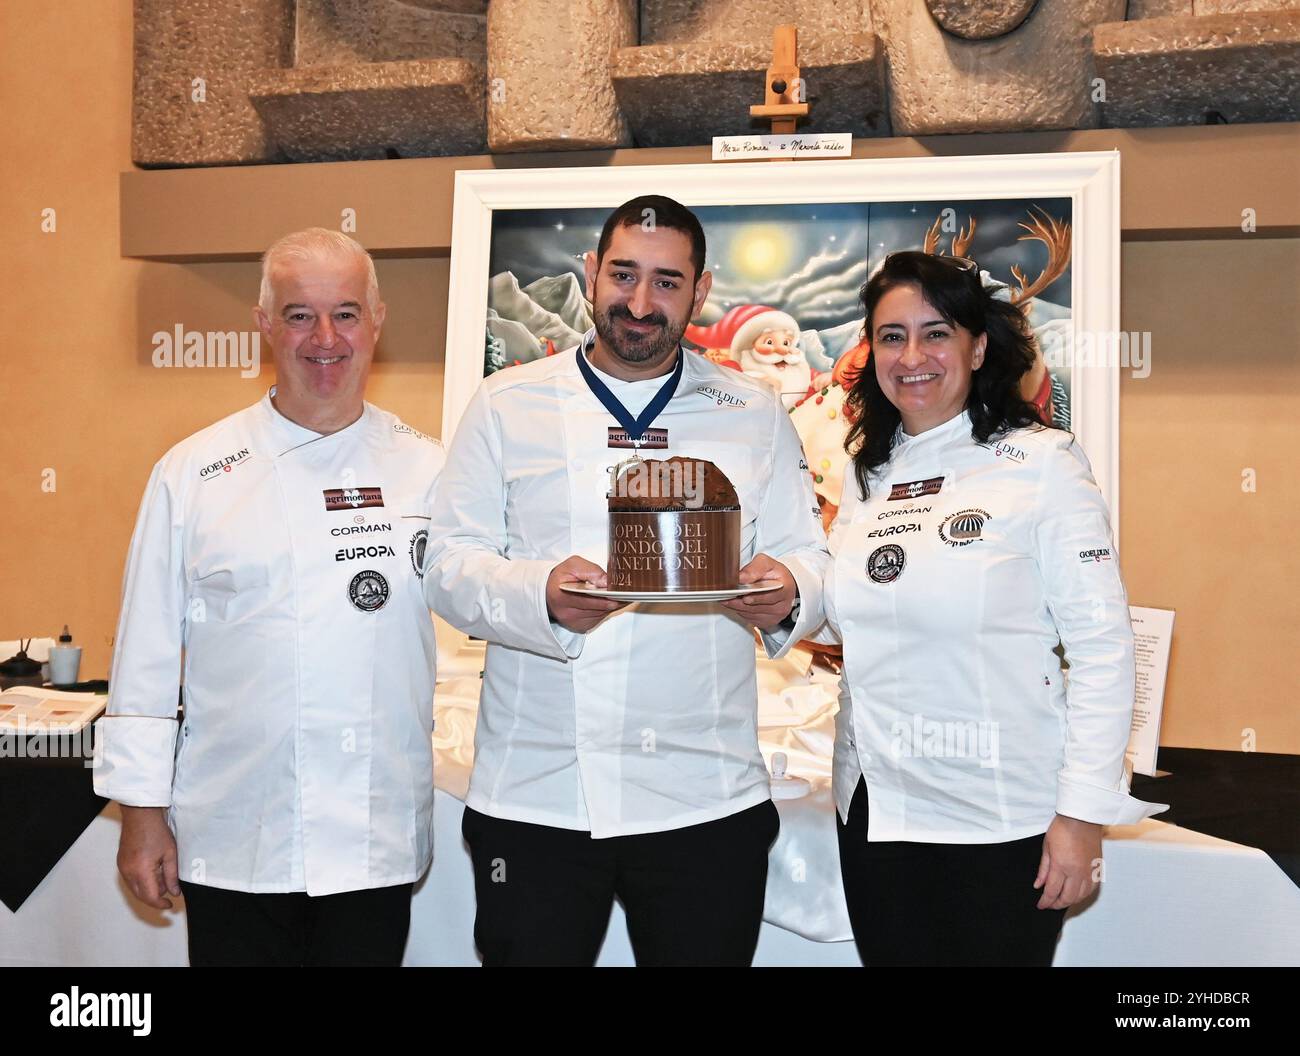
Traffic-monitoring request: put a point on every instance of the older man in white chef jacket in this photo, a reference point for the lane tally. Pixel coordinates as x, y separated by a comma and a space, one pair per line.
280, 552
617, 747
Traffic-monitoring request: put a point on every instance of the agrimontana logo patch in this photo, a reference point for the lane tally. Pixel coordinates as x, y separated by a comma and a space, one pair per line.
914, 489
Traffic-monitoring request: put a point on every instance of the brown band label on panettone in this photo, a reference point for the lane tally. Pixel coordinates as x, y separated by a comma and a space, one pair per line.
674, 550
651, 439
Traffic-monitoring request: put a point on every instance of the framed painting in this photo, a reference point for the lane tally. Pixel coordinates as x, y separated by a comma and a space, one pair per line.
789, 246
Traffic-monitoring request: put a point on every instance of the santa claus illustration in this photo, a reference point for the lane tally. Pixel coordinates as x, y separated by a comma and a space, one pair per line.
761, 342
767, 347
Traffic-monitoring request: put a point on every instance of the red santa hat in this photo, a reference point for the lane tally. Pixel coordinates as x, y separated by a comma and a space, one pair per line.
719, 335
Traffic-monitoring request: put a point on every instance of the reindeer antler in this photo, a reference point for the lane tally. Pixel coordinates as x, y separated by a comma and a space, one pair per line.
962, 241
931, 244
1055, 235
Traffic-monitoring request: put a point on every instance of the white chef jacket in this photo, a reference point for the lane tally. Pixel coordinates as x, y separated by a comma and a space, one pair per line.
286, 564
951, 586
649, 721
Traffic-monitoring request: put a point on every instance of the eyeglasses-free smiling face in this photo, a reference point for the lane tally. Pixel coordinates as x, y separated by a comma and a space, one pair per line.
923, 362
643, 291
322, 331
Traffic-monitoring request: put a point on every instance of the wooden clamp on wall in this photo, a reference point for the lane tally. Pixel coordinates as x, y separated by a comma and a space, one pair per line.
784, 98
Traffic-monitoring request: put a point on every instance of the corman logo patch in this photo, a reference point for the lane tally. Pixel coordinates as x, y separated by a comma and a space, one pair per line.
361, 529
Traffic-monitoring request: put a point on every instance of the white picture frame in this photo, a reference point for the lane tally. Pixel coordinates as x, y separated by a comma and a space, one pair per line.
1091, 180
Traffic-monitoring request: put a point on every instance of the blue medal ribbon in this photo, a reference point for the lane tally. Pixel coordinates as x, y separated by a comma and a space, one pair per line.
634, 427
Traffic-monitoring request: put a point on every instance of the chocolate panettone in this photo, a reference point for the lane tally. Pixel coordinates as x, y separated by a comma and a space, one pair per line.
674, 525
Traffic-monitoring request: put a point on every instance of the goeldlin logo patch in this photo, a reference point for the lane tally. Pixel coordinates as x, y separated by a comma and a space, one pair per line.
224, 465
352, 498
914, 489
402, 427
721, 397
1009, 451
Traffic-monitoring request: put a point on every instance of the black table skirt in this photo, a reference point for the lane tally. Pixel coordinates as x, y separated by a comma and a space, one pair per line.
46, 802
1252, 798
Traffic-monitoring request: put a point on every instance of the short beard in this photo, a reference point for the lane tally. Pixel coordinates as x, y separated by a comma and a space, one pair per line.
633, 349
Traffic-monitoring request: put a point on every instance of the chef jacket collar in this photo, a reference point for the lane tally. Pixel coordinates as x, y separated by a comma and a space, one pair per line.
952, 427
288, 434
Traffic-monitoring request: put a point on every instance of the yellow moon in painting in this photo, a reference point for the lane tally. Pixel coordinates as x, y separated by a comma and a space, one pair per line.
761, 252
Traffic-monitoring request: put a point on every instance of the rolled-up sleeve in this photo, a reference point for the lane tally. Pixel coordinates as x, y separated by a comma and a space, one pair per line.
1077, 559
469, 580
790, 531
137, 734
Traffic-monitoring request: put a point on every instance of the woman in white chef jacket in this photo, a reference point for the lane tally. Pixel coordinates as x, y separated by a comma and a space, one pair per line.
971, 781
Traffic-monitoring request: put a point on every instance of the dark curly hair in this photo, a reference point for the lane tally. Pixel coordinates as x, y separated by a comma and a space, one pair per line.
663, 212
957, 294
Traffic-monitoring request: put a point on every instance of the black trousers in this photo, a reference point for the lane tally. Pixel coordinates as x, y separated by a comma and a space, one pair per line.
354, 928
943, 903
693, 896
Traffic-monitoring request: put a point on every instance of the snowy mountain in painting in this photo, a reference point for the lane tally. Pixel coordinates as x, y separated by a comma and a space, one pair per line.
512, 304
562, 296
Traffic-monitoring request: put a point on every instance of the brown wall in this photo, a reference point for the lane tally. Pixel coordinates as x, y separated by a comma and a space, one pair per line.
82, 397
1223, 396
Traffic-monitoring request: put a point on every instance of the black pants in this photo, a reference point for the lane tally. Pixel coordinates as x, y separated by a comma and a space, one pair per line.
693, 896
355, 928
944, 903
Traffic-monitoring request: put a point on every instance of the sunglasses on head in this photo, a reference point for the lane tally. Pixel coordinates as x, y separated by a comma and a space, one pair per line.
961, 263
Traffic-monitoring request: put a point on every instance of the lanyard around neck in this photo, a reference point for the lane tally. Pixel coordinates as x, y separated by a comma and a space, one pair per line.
634, 426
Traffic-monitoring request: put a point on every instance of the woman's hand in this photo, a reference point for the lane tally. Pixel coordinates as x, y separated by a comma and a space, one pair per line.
1069, 866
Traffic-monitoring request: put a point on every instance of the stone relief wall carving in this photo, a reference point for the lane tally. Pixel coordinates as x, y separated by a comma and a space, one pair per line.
232, 82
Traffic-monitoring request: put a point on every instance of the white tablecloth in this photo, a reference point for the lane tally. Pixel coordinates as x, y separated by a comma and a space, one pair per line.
1171, 897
